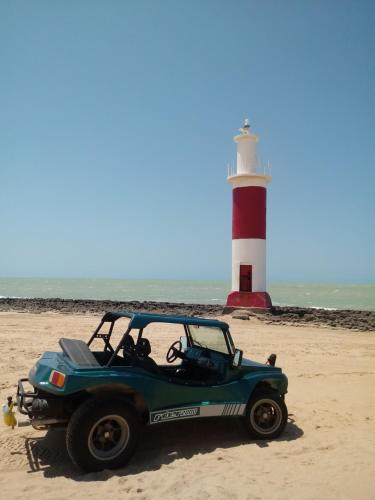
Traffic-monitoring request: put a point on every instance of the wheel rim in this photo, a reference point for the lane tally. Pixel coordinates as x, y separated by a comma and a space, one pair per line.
265, 416
108, 437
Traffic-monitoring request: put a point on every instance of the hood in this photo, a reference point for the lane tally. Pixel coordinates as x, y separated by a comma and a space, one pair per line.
249, 365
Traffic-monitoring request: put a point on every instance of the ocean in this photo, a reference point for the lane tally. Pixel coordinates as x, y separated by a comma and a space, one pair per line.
329, 296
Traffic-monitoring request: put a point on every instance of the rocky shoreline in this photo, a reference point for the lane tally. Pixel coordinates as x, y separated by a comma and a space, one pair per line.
349, 319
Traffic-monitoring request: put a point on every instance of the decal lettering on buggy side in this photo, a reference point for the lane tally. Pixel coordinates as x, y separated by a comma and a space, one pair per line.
173, 414
206, 410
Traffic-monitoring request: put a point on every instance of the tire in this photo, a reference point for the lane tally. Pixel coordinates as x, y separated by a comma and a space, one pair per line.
102, 434
266, 415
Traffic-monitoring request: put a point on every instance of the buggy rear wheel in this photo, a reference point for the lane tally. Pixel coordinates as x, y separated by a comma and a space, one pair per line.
102, 434
266, 416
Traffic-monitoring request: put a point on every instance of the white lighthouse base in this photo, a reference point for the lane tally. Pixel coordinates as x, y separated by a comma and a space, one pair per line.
248, 300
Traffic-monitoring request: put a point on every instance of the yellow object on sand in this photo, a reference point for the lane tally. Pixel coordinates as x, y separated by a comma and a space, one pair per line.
9, 415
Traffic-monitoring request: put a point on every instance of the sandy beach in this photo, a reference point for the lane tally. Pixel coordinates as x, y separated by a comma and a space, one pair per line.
327, 450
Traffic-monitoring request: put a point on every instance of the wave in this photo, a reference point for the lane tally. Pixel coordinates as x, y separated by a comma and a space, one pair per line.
12, 297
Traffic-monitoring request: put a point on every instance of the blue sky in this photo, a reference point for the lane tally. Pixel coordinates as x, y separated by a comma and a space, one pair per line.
117, 120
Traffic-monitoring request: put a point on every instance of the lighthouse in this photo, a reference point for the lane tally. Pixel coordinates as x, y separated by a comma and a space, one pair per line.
249, 190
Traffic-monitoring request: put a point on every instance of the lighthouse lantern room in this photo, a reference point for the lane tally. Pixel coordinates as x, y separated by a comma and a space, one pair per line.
249, 188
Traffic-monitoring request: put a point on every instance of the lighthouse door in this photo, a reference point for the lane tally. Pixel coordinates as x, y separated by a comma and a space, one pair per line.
246, 281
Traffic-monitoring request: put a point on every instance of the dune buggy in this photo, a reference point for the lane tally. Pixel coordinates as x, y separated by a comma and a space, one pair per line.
103, 397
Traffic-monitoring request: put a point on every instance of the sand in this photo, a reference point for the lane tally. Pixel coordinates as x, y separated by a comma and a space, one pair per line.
327, 450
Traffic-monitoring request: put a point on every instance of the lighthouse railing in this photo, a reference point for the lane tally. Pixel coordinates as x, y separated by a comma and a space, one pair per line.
261, 169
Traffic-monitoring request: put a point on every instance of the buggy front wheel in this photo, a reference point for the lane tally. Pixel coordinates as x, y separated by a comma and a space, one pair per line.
266, 416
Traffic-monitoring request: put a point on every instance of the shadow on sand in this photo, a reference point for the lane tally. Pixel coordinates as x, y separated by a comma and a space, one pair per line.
159, 445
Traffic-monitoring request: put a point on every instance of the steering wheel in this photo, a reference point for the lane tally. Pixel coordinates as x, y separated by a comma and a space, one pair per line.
175, 351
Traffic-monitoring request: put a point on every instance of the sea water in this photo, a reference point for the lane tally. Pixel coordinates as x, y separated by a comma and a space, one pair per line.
330, 296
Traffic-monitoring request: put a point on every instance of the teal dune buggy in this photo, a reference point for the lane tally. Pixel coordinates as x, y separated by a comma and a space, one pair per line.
104, 397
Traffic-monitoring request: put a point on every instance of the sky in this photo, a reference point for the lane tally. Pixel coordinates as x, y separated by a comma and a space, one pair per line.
117, 120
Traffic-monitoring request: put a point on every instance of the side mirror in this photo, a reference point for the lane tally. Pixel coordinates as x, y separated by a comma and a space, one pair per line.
237, 358
184, 342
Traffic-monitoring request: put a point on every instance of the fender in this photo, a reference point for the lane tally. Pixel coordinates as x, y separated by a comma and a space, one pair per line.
277, 381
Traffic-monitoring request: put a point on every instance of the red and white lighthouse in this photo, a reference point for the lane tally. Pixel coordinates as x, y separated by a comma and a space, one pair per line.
248, 226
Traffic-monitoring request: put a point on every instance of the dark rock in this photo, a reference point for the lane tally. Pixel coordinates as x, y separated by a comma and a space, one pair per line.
240, 316
358, 320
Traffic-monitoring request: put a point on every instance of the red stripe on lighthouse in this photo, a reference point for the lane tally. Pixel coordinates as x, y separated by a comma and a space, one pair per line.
249, 213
